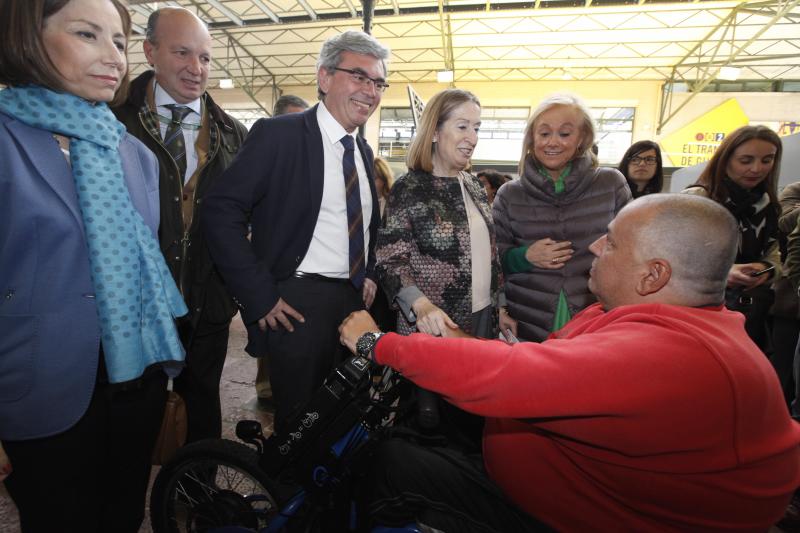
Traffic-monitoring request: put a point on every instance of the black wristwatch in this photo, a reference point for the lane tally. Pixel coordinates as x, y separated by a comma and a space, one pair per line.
366, 343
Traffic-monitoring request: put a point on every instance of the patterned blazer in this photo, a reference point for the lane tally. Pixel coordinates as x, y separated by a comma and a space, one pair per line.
426, 244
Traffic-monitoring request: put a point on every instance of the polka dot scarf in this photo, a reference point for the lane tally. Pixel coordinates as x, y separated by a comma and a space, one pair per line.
136, 296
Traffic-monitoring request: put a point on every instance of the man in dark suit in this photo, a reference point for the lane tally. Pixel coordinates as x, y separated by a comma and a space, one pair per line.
287, 103
304, 182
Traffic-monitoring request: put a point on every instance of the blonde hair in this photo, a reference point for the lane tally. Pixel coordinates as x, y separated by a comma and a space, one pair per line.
383, 172
588, 131
436, 112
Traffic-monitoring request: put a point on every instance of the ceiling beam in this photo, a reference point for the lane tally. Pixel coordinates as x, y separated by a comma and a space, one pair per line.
236, 19
142, 10
267, 11
247, 88
708, 70
351, 8
307, 7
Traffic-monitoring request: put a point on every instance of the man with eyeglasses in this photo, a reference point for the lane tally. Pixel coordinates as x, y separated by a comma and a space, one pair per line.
304, 181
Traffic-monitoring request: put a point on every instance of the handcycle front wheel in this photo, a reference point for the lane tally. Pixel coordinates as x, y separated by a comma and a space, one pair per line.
213, 484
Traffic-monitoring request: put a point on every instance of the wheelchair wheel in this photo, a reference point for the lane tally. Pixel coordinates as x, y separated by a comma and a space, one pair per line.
212, 484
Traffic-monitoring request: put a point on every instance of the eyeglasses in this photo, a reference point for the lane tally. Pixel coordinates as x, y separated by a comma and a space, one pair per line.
649, 160
364, 80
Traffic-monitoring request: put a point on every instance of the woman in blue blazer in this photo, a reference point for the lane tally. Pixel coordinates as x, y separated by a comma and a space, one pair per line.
87, 305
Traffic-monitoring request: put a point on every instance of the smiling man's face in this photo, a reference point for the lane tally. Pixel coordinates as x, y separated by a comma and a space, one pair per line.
350, 102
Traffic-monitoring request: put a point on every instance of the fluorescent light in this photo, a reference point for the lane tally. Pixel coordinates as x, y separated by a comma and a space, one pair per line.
444, 76
729, 73
226, 83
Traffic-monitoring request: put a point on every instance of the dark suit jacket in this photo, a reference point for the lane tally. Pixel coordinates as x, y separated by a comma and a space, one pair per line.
49, 330
275, 183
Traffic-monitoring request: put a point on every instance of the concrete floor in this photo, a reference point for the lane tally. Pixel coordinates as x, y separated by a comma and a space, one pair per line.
238, 402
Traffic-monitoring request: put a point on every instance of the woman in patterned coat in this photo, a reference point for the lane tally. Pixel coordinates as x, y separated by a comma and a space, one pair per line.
437, 259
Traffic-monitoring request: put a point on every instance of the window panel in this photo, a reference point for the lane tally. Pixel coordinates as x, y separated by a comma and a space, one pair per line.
614, 132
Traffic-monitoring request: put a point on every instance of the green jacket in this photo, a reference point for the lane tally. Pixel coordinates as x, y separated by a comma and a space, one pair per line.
185, 249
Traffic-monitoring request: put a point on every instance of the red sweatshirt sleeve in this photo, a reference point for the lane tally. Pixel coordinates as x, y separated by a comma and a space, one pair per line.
593, 374
559, 378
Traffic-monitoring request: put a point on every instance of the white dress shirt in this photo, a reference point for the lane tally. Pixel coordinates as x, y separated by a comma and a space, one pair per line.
163, 99
329, 252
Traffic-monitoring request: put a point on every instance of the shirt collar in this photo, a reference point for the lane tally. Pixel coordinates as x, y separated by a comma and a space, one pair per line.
162, 98
330, 126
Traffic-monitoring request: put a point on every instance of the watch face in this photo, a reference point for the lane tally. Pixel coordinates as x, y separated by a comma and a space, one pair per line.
365, 343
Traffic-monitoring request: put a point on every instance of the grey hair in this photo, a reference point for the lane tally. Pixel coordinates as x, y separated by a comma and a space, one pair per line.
697, 236
353, 41
285, 102
152, 22
588, 128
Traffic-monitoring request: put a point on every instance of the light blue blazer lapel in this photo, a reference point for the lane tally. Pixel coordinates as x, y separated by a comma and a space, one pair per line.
142, 185
48, 160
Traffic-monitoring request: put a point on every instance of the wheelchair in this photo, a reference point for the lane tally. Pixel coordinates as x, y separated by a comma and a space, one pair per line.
304, 479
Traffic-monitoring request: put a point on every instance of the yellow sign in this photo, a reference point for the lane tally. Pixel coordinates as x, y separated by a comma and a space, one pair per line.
697, 141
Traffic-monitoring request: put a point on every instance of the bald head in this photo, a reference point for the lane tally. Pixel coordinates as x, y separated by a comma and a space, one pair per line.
177, 15
178, 47
665, 248
697, 236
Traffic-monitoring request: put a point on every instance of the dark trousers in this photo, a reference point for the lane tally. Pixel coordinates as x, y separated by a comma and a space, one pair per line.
92, 477
198, 383
299, 361
441, 488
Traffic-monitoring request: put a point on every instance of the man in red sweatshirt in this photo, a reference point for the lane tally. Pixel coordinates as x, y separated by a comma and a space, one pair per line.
649, 411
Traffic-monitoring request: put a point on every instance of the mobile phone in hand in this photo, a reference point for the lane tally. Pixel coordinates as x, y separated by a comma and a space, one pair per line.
762, 272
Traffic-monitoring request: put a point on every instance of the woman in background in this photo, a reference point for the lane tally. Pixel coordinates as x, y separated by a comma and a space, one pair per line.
742, 175
384, 178
492, 181
87, 303
642, 167
547, 219
381, 311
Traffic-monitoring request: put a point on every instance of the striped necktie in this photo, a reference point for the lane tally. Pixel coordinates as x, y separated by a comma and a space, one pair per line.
173, 138
355, 221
